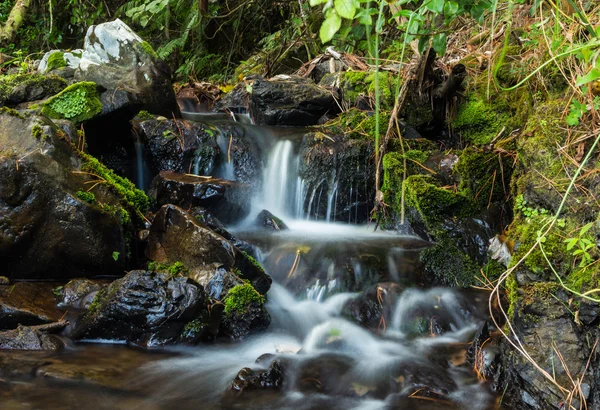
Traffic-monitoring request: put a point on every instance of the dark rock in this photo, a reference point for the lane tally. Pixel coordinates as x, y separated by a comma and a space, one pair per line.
46, 231
340, 168
229, 201
177, 145
26, 338
248, 380
218, 286
282, 100
145, 308
368, 308
27, 303
267, 220
249, 316
117, 59
78, 293
205, 217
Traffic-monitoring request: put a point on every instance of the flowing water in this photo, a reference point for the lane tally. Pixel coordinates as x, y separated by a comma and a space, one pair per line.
413, 357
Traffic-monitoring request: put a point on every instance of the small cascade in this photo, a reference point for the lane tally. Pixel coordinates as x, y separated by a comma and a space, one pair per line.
225, 169
141, 168
280, 180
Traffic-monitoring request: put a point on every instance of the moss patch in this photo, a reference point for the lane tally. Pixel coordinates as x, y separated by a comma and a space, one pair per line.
253, 261
357, 83
56, 61
78, 102
444, 264
174, 269
240, 296
88, 197
357, 124
14, 88
146, 48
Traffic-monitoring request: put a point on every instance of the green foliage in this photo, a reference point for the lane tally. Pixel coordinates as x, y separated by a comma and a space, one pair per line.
478, 122
526, 211
115, 255
582, 245
239, 297
175, 269
78, 102
88, 197
253, 261
50, 84
37, 131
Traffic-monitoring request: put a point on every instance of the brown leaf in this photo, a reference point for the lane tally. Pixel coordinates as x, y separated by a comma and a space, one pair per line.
580, 151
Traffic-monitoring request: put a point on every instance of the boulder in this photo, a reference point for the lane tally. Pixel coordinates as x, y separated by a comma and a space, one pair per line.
27, 303
266, 220
338, 177
282, 100
78, 293
176, 236
248, 379
229, 201
244, 312
146, 308
61, 63
134, 77
47, 229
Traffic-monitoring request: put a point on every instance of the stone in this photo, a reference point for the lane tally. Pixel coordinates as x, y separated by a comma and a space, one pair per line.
229, 201
21, 88
27, 338
55, 60
249, 379
78, 293
145, 308
266, 220
46, 230
117, 59
282, 100
27, 303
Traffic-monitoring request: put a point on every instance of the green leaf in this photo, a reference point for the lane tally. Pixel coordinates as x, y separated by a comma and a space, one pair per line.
345, 8
115, 255
479, 9
330, 26
437, 6
571, 243
423, 43
585, 228
316, 2
439, 43
578, 252
594, 74
364, 17
450, 9
249, 88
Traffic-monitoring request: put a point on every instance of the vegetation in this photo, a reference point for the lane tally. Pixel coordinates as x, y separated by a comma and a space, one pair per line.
239, 297
78, 102
174, 269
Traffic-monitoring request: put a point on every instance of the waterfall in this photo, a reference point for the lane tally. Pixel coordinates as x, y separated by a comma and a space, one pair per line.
280, 180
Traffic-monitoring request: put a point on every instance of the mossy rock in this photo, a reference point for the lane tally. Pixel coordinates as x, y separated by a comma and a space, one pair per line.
356, 124
525, 232
445, 265
363, 83
77, 103
484, 176
433, 203
239, 297
19, 88
56, 61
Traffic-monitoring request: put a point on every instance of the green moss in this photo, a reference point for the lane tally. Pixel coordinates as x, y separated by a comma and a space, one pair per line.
444, 264
56, 61
144, 116
96, 303
78, 102
477, 121
88, 197
174, 269
357, 83
13, 84
585, 279
484, 176
525, 233
10, 111
133, 199
253, 261
195, 326
240, 296
512, 293
357, 124
493, 269
538, 292
147, 48
434, 203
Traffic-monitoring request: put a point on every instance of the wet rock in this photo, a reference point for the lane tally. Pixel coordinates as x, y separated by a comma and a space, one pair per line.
229, 201
205, 217
78, 293
47, 231
248, 380
117, 59
368, 308
176, 236
338, 177
218, 286
177, 145
27, 303
145, 308
283, 100
19, 88
267, 220
27, 338
244, 312
4, 281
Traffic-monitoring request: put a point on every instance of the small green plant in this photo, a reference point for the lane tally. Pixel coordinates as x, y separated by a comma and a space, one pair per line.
582, 245
528, 212
115, 255
88, 197
174, 269
576, 111
240, 296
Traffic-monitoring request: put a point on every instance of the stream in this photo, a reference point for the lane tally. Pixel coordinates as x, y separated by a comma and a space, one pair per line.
322, 338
